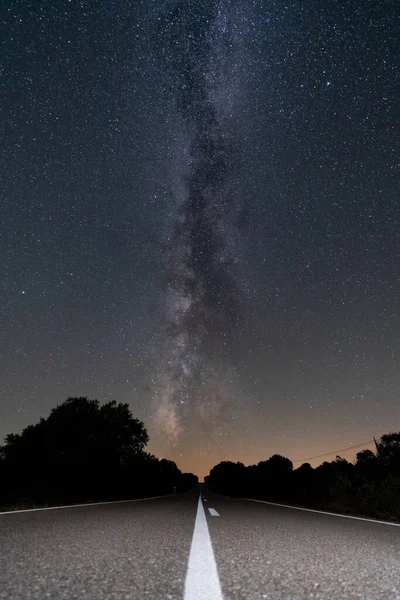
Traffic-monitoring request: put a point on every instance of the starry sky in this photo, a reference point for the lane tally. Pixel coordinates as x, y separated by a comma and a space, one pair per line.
200, 217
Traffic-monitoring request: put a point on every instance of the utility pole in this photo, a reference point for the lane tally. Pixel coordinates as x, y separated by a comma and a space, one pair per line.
376, 446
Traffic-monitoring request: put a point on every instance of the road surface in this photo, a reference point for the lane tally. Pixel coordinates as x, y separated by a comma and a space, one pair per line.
175, 547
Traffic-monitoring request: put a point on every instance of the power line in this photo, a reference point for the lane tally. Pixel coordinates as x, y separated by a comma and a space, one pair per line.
333, 451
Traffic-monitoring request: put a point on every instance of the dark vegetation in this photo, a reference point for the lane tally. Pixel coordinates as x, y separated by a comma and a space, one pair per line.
84, 452
369, 487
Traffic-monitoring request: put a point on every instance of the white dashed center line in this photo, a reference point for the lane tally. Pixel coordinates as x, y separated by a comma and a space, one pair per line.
202, 581
213, 512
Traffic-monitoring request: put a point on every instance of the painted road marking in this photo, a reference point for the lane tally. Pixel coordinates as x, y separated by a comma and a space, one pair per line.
322, 512
202, 581
12, 512
213, 512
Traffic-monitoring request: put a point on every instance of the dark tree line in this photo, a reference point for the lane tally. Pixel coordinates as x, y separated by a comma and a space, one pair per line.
85, 452
370, 486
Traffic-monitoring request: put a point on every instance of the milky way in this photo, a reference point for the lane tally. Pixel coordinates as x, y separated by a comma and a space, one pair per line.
202, 296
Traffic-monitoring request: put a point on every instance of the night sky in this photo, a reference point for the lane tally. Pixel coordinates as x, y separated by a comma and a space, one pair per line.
200, 216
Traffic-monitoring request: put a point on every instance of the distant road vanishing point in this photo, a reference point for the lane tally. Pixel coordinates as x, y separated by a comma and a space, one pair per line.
196, 546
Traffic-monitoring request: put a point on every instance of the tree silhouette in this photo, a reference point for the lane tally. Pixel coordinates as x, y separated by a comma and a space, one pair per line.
84, 451
228, 477
389, 452
304, 481
69, 454
369, 466
370, 487
275, 474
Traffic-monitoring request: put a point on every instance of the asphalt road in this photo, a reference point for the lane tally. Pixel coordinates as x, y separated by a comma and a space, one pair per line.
173, 548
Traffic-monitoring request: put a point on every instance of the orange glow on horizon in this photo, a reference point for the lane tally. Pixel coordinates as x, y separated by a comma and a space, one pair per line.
200, 462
